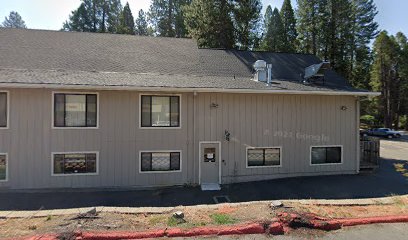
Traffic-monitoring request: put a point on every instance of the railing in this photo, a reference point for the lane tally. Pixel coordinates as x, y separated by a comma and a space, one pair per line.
369, 152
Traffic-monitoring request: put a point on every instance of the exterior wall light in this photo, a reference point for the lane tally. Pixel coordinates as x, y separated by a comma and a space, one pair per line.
227, 135
214, 105
343, 108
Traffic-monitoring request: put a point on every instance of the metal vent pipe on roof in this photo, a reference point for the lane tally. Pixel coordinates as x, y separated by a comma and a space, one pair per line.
269, 67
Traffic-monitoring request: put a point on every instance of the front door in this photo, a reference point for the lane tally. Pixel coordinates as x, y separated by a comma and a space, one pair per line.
210, 163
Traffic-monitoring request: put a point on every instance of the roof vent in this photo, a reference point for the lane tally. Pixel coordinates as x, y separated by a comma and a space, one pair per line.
260, 71
315, 72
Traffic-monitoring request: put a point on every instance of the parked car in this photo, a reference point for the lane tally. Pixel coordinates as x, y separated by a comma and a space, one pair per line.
383, 132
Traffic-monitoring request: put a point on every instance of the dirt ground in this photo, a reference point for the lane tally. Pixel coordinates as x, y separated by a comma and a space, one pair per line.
194, 216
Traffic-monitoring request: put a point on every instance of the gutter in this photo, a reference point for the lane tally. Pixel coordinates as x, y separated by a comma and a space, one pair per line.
172, 89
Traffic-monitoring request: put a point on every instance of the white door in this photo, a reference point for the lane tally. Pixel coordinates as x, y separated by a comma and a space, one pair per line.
210, 159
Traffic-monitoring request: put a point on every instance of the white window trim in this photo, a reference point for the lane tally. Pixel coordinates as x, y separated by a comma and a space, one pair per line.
272, 166
7, 168
160, 151
157, 94
63, 92
74, 174
326, 164
7, 110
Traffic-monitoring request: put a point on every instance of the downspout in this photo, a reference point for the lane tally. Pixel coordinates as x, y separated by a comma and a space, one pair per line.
358, 133
194, 138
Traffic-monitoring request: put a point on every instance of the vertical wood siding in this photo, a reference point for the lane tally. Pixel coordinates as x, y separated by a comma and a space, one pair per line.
253, 120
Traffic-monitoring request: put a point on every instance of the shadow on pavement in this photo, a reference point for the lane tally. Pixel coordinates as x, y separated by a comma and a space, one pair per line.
385, 182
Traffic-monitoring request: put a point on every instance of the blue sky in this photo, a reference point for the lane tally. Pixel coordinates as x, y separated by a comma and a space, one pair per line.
50, 14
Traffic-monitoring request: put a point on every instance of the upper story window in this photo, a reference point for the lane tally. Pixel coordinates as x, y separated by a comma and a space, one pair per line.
326, 155
3, 109
264, 157
160, 111
75, 110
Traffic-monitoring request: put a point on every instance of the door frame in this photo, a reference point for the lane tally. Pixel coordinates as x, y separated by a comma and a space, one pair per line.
199, 159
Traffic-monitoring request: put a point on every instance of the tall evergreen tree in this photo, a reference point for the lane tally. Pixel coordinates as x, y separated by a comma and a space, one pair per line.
141, 24
289, 26
126, 21
384, 75
14, 20
95, 16
210, 23
274, 39
267, 18
167, 17
246, 18
307, 25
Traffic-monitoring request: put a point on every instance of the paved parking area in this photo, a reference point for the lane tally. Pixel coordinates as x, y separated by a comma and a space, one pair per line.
385, 182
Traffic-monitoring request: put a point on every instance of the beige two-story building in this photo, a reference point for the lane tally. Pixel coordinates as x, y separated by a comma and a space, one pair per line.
86, 110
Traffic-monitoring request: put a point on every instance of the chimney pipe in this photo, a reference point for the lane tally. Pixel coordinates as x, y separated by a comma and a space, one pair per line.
269, 67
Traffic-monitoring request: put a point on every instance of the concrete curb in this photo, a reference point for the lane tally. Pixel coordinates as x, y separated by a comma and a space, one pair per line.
160, 210
274, 228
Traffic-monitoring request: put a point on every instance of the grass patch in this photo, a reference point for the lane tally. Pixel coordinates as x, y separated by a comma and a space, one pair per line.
154, 220
172, 221
221, 219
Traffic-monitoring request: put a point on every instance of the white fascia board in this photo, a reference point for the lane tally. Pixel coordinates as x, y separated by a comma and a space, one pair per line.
170, 89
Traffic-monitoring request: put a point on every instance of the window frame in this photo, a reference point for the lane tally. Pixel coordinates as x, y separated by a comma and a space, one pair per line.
74, 93
266, 166
159, 95
326, 146
7, 110
7, 168
74, 174
160, 151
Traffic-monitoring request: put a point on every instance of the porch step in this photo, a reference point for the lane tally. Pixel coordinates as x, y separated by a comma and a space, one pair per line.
210, 187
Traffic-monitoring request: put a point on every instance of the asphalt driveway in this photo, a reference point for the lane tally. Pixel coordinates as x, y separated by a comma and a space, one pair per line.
386, 181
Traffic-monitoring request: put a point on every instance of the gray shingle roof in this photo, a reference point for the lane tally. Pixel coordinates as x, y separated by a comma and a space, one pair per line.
90, 59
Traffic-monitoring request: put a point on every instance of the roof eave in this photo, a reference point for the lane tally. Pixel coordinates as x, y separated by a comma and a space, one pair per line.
175, 89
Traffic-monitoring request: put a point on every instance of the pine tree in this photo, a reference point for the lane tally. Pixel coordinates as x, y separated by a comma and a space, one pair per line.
209, 22
14, 20
267, 18
289, 26
126, 21
274, 39
167, 17
384, 75
246, 18
307, 26
95, 16
141, 24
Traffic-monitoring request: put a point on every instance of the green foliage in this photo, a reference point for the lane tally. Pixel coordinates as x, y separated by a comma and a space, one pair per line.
167, 17
95, 16
221, 219
274, 39
126, 21
14, 20
172, 221
141, 24
210, 23
246, 18
289, 26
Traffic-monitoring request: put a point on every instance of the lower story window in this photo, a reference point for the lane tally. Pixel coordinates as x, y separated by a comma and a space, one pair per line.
262, 157
3, 167
326, 155
75, 163
160, 161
